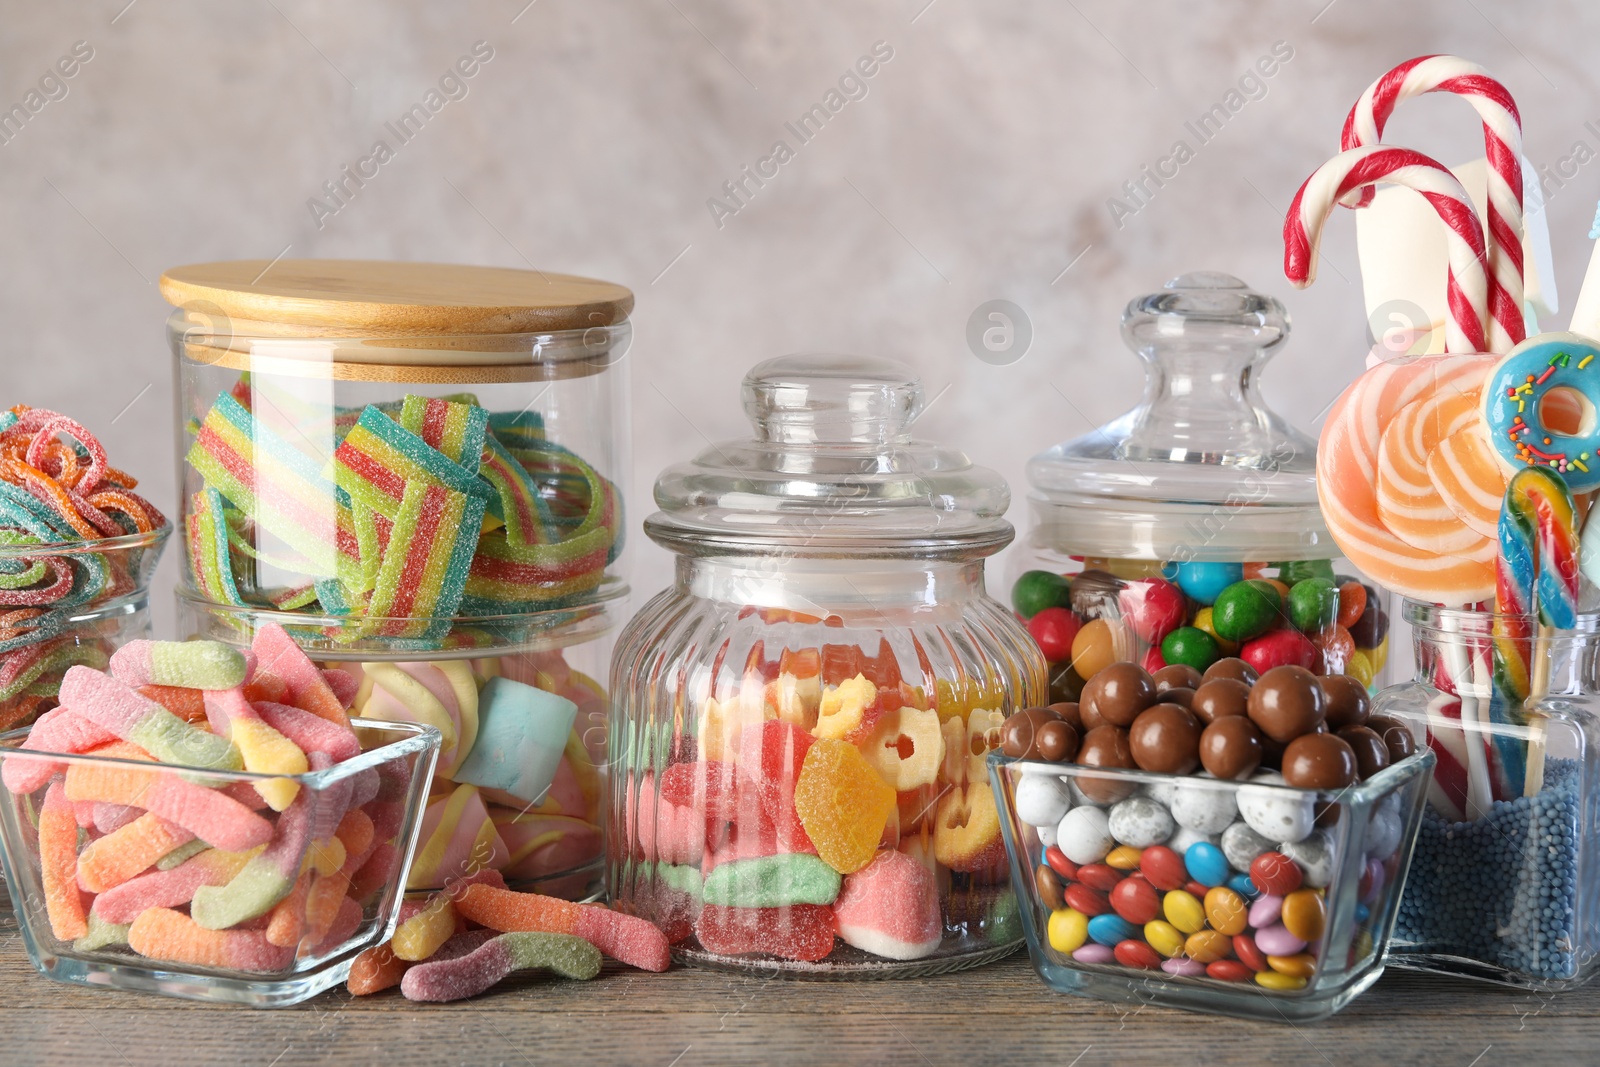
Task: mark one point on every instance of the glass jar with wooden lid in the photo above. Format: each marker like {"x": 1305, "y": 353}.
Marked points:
{"x": 418, "y": 471}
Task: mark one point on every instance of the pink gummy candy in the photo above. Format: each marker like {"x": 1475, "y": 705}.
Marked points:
{"x": 108, "y": 818}
{"x": 163, "y": 889}
{"x": 312, "y": 733}
{"x": 344, "y": 925}
{"x": 770, "y": 755}
{"x": 674, "y": 833}
{"x": 797, "y": 932}
{"x": 343, "y": 684}
{"x": 58, "y": 730}
{"x": 278, "y": 656}
{"x": 890, "y": 908}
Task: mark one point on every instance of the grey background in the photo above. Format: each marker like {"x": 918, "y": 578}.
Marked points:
{"x": 977, "y": 167}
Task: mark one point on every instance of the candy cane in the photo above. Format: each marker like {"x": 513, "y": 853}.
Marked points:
{"x": 1467, "y": 292}
{"x": 1502, "y": 138}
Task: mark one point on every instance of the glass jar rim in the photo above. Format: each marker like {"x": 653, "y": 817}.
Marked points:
{"x": 93, "y": 546}
{"x": 1436, "y": 619}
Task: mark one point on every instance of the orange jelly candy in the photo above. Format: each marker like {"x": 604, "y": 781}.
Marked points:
{"x": 843, "y": 804}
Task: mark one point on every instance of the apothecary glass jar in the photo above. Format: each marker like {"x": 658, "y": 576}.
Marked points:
{"x": 800, "y": 723}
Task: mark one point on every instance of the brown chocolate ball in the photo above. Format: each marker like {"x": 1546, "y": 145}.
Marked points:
{"x": 1328, "y": 814}
{"x": 1089, "y": 718}
{"x": 1067, "y": 712}
{"x": 1397, "y": 736}
{"x": 1319, "y": 761}
{"x": 1230, "y": 748}
{"x": 1119, "y": 693}
{"x": 1165, "y": 738}
{"x": 1286, "y": 702}
{"x": 1181, "y": 696}
{"x": 1095, "y": 592}
{"x": 1105, "y": 746}
{"x": 1219, "y": 699}
{"x": 1057, "y": 741}
{"x": 1019, "y": 734}
{"x": 1345, "y": 701}
{"x": 1050, "y": 887}
{"x": 1231, "y": 667}
{"x": 1176, "y": 676}
{"x": 1372, "y": 755}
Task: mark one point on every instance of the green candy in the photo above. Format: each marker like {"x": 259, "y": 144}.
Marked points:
{"x": 1191, "y": 647}
{"x": 567, "y": 955}
{"x": 1313, "y": 604}
{"x": 1246, "y": 609}
{"x": 683, "y": 878}
{"x": 772, "y": 882}
{"x": 1037, "y": 590}
{"x": 1298, "y": 570}
{"x": 101, "y": 935}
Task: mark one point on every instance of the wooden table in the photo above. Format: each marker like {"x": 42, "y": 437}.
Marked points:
{"x": 687, "y": 1018}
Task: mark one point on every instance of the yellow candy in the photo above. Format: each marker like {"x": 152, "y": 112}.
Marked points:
{"x": 1380, "y": 655}
{"x": 1208, "y": 946}
{"x": 1098, "y": 645}
{"x": 1184, "y": 911}
{"x": 421, "y": 935}
{"x": 1163, "y": 937}
{"x": 1362, "y": 944}
{"x": 1124, "y": 858}
{"x": 1301, "y": 965}
{"x": 844, "y": 806}
{"x": 266, "y": 751}
{"x": 983, "y": 736}
{"x": 325, "y": 857}
{"x": 1226, "y": 911}
{"x": 1282, "y": 983}
{"x": 1360, "y": 668}
{"x": 1067, "y": 930}
{"x": 1202, "y": 621}
{"x": 1304, "y": 914}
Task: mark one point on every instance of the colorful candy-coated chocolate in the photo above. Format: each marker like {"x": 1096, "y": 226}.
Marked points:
{"x": 1136, "y": 900}
{"x": 1275, "y": 873}
{"x": 1229, "y": 971}
{"x": 1091, "y": 902}
{"x": 1207, "y": 946}
{"x": 1206, "y": 864}
{"x": 1226, "y": 911}
{"x": 1164, "y": 937}
{"x": 1094, "y": 952}
{"x": 1109, "y": 929}
{"x": 1183, "y": 910}
{"x": 1137, "y": 954}
{"x": 1067, "y": 930}
{"x": 1304, "y": 914}
{"x": 1204, "y": 581}
{"x": 1164, "y": 867}
{"x": 1280, "y": 983}
{"x": 1276, "y": 940}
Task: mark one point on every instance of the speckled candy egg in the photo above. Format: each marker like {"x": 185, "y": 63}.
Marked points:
{"x": 1084, "y": 835}
{"x": 1140, "y": 822}
{"x": 1313, "y": 854}
{"x": 1276, "y": 814}
{"x": 1383, "y": 836}
{"x": 1184, "y": 837}
{"x": 1207, "y": 810}
{"x": 1042, "y": 800}
{"x": 1242, "y": 845}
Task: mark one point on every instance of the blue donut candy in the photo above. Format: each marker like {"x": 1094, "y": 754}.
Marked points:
{"x": 1513, "y": 396}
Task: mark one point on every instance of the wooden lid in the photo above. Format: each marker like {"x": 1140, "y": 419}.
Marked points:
{"x": 355, "y": 297}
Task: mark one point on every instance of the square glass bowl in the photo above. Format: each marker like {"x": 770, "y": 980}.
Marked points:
{"x": 1307, "y": 951}
{"x": 265, "y": 958}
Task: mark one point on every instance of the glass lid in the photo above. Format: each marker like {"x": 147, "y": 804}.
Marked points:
{"x": 1201, "y": 468}
{"x": 832, "y": 470}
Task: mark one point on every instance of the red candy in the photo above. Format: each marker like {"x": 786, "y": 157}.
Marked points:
{"x": 1164, "y": 868}
{"x": 1099, "y": 876}
{"x": 1091, "y": 902}
{"x": 1133, "y": 953}
{"x": 1279, "y": 648}
{"x": 1275, "y": 873}
{"x": 1244, "y": 946}
{"x": 1054, "y": 629}
{"x": 1153, "y": 659}
{"x": 1059, "y": 863}
{"x": 1153, "y": 607}
{"x": 1229, "y": 971}
{"x": 1136, "y": 900}
{"x": 771, "y": 754}
{"x": 797, "y": 932}
{"x": 1196, "y": 890}
{"x": 710, "y": 786}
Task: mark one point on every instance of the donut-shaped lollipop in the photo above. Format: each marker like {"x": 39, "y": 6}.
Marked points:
{"x": 1540, "y": 405}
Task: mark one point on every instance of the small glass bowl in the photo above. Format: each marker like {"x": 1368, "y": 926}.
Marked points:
{"x": 106, "y": 605}
{"x": 1354, "y": 860}
{"x": 402, "y": 757}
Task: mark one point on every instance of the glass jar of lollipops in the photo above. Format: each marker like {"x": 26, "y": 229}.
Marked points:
{"x": 1188, "y": 530}
{"x": 1505, "y": 879}
{"x": 417, "y": 470}
{"x": 800, "y": 723}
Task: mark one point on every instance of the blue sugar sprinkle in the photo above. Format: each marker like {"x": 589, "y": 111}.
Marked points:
{"x": 1501, "y": 890}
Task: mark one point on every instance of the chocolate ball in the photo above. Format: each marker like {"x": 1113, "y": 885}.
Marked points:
{"x": 1105, "y": 746}
{"x": 1019, "y": 734}
{"x": 1220, "y": 698}
{"x": 1231, "y": 667}
{"x": 1230, "y": 747}
{"x": 1372, "y": 755}
{"x": 1176, "y": 676}
{"x": 1319, "y": 761}
{"x": 1089, "y": 718}
{"x": 1165, "y": 738}
{"x": 1119, "y": 693}
{"x": 1328, "y": 814}
{"x": 1094, "y": 593}
{"x": 1065, "y": 683}
{"x": 1345, "y": 701}
{"x": 1050, "y": 887}
{"x": 1058, "y": 742}
{"x": 1181, "y": 696}
{"x": 1286, "y": 702}
{"x": 1067, "y": 712}
{"x": 1397, "y": 736}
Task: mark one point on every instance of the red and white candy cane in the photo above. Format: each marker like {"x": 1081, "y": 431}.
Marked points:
{"x": 1467, "y": 286}
{"x": 1502, "y": 140}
